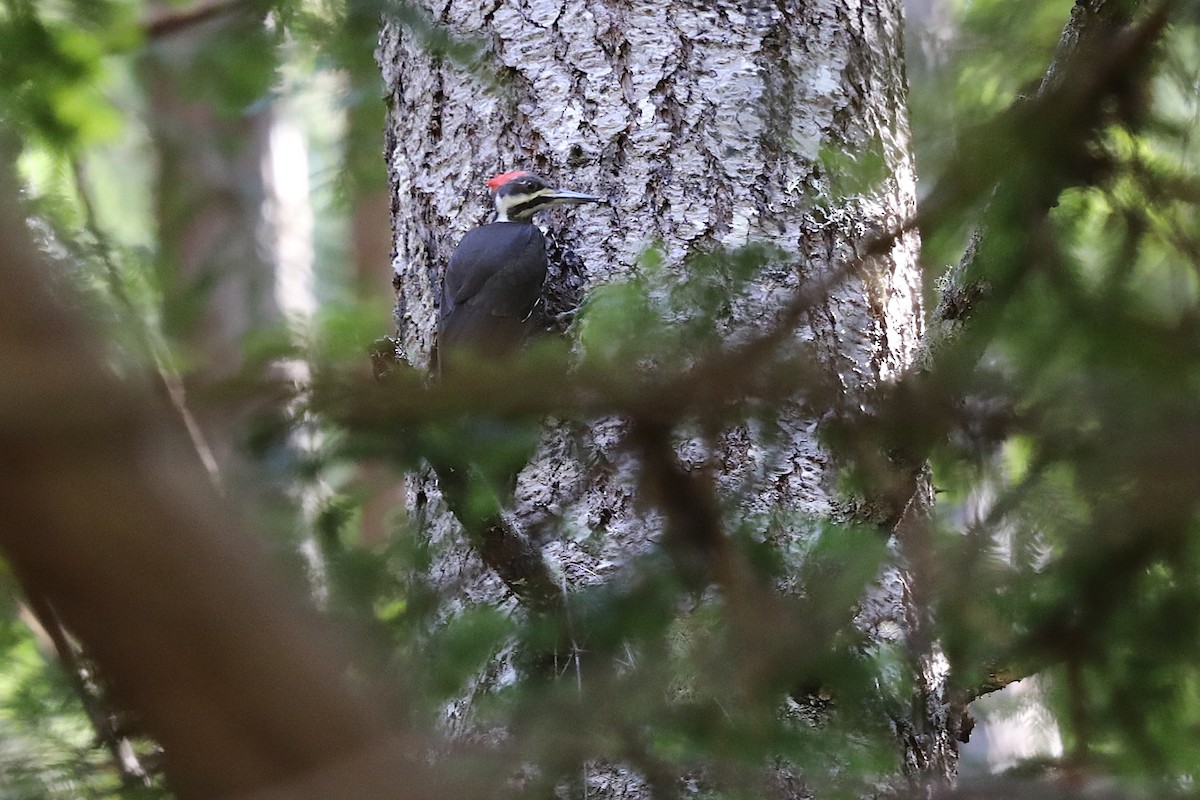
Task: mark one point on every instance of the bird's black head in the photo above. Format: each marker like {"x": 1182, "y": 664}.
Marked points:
{"x": 521, "y": 194}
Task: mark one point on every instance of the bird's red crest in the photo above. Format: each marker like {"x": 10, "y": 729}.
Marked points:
{"x": 503, "y": 178}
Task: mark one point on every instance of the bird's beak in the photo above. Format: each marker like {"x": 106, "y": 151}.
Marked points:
{"x": 563, "y": 197}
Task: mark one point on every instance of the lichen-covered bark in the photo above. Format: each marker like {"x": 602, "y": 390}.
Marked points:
{"x": 707, "y": 125}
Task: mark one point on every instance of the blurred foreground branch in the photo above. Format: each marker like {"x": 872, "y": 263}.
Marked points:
{"x": 109, "y": 516}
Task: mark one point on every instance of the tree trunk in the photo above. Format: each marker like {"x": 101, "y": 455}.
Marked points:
{"x": 707, "y": 126}
{"x": 216, "y": 274}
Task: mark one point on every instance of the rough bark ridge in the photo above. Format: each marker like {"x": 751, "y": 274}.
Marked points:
{"x": 707, "y": 125}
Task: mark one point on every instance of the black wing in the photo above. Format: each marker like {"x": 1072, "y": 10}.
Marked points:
{"x": 493, "y": 282}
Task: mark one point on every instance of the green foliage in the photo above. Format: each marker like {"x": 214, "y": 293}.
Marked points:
{"x": 1082, "y": 567}
{"x": 664, "y": 317}
{"x": 48, "y": 748}
{"x": 53, "y": 59}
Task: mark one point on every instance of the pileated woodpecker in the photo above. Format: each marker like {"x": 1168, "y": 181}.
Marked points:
{"x": 489, "y": 295}
{"x": 495, "y": 277}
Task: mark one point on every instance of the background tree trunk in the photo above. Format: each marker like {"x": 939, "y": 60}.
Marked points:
{"x": 708, "y": 126}
{"x": 216, "y": 271}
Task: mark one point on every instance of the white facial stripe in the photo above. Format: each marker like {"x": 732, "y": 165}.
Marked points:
{"x": 507, "y": 202}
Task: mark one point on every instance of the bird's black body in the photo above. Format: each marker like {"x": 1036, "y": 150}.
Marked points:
{"x": 494, "y": 280}
{"x": 492, "y": 285}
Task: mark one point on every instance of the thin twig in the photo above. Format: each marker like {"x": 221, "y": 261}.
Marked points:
{"x": 102, "y": 718}
{"x": 168, "y": 376}
{"x": 164, "y": 22}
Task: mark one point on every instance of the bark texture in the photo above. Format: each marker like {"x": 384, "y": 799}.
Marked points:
{"x": 707, "y": 125}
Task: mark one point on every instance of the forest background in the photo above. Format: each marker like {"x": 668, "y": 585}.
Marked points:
{"x": 1060, "y": 424}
